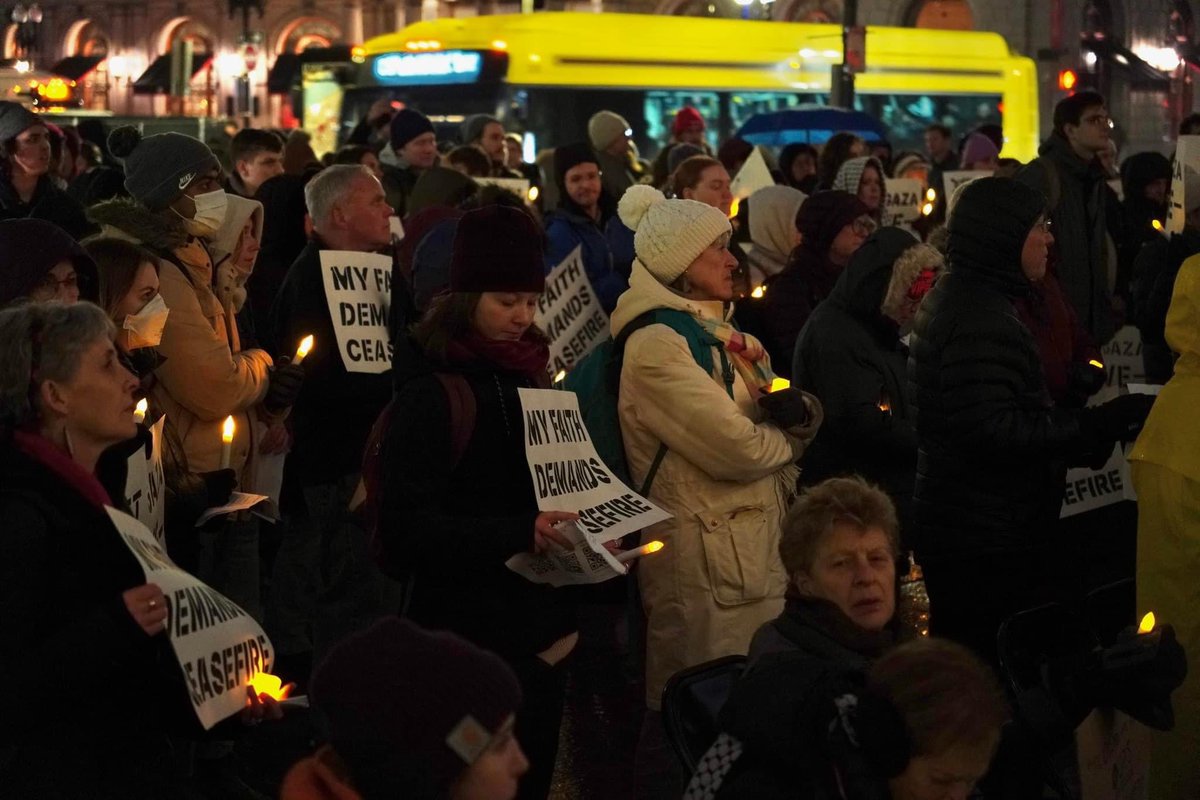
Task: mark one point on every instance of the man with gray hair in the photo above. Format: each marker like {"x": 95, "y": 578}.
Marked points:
{"x": 331, "y": 420}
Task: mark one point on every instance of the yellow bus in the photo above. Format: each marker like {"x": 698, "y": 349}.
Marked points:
{"x": 545, "y": 74}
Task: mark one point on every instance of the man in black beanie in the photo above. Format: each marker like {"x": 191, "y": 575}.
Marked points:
{"x": 411, "y": 150}
{"x": 993, "y": 448}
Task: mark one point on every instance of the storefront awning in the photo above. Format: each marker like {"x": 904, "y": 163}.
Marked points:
{"x": 1140, "y": 72}
{"x": 285, "y": 73}
{"x": 73, "y": 68}
{"x": 157, "y": 77}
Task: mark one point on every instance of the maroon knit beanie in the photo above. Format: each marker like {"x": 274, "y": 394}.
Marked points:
{"x": 497, "y": 249}
{"x": 408, "y": 707}
{"x": 686, "y": 118}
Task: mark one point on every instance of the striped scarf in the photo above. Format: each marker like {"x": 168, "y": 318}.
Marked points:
{"x": 747, "y": 353}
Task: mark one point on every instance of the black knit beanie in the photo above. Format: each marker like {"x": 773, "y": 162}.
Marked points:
{"x": 988, "y": 227}
{"x": 568, "y": 156}
{"x": 823, "y": 215}
{"x": 497, "y": 249}
{"x": 406, "y": 126}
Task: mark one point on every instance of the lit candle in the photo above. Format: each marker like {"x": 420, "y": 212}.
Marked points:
{"x": 306, "y": 344}
{"x": 1096, "y": 364}
{"x": 644, "y": 550}
{"x": 562, "y": 373}
{"x": 532, "y": 194}
{"x": 1147, "y": 625}
{"x": 226, "y": 442}
{"x": 139, "y": 413}
{"x": 779, "y": 384}
{"x": 758, "y": 292}
{"x": 270, "y": 685}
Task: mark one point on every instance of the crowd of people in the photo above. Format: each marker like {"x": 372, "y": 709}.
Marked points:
{"x": 944, "y": 375}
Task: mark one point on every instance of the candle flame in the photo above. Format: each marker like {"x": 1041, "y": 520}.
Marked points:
{"x": 778, "y": 384}
{"x": 758, "y": 292}
{"x": 1158, "y": 226}
{"x": 270, "y": 685}
{"x": 227, "y": 430}
{"x": 1147, "y": 624}
{"x": 652, "y": 547}
{"x": 927, "y": 209}
{"x": 1096, "y": 364}
{"x": 733, "y": 207}
{"x": 306, "y": 344}
{"x": 532, "y": 195}
{"x": 562, "y": 373}
{"x": 931, "y": 195}
{"x": 885, "y": 406}
{"x": 139, "y": 413}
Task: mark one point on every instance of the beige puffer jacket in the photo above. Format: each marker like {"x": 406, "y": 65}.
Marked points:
{"x": 728, "y": 477}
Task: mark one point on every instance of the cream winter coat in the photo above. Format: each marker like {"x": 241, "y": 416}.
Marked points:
{"x": 728, "y": 477}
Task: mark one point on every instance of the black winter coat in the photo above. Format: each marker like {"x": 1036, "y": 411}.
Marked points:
{"x": 993, "y": 449}
{"x": 850, "y": 356}
{"x": 86, "y": 698}
{"x": 333, "y": 415}
{"x": 398, "y": 183}
{"x": 450, "y": 527}
{"x": 1154, "y": 273}
{"x": 49, "y": 203}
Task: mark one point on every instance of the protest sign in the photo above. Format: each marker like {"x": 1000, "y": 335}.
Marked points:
{"x": 951, "y": 181}
{"x": 1088, "y": 489}
{"x": 1187, "y": 157}
{"x": 754, "y": 175}
{"x": 568, "y": 474}
{"x": 358, "y": 289}
{"x": 219, "y": 646}
{"x": 1123, "y": 357}
{"x": 587, "y": 562}
{"x": 903, "y": 201}
{"x": 518, "y": 186}
{"x": 1113, "y": 751}
{"x": 569, "y": 313}
{"x": 144, "y": 483}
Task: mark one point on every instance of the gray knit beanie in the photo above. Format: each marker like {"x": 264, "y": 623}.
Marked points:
{"x": 158, "y": 168}
{"x": 15, "y": 119}
{"x": 473, "y": 126}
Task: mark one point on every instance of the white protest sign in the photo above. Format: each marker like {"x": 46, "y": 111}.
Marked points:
{"x": 569, "y": 313}
{"x": 754, "y": 175}
{"x": 1187, "y": 157}
{"x": 587, "y": 562}
{"x": 951, "y": 181}
{"x": 1123, "y": 357}
{"x": 358, "y": 289}
{"x": 396, "y": 227}
{"x": 904, "y": 200}
{"x": 568, "y": 474}
{"x": 219, "y": 646}
{"x": 145, "y": 485}
{"x": 518, "y": 186}
{"x": 1113, "y": 750}
{"x": 1088, "y": 489}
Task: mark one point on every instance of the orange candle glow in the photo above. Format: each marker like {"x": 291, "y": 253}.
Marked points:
{"x": 1147, "y": 624}
{"x": 306, "y": 344}
{"x": 644, "y": 550}
{"x": 270, "y": 685}
{"x": 227, "y": 441}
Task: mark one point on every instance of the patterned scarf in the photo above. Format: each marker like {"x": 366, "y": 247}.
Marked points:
{"x": 748, "y": 354}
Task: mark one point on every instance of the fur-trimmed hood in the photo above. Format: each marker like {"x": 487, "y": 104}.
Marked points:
{"x": 127, "y": 219}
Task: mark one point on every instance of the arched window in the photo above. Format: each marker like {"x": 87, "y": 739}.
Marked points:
{"x": 951, "y": 15}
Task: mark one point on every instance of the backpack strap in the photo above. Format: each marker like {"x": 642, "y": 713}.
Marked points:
{"x": 463, "y": 413}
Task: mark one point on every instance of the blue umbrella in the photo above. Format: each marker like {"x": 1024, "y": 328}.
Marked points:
{"x": 809, "y": 124}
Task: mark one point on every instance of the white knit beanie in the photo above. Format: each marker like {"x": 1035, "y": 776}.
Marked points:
{"x": 605, "y": 127}
{"x": 669, "y": 234}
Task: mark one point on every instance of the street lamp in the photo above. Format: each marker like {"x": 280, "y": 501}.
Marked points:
{"x": 28, "y": 20}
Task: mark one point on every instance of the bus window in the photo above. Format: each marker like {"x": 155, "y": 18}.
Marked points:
{"x": 661, "y": 107}
{"x": 744, "y": 105}
{"x": 906, "y": 116}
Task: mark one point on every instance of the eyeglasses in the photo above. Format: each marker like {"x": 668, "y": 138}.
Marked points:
{"x": 1044, "y": 226}
{"x": 52, "y": 284}
{"x": 1102, "y": 120}
{"x": 865, "y": 226}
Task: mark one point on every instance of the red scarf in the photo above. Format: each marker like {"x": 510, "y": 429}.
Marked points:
{"x": 49, "y": 455}
{"x": 527, "y": 356}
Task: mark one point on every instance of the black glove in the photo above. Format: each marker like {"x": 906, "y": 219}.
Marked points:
{"x": 286, "y": 380}
{"x": 219, "y": 485}
{"x": 1120, "y": 419}
{"x": 786, "y": 407}
{"x": 1084, "y": 380}
{"x": 1137, "y": 675}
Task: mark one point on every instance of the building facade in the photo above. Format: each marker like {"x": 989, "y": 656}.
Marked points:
{"x": 1141, "y": 53}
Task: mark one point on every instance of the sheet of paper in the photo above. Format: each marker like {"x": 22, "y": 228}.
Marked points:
{"x": 257, "y": 504}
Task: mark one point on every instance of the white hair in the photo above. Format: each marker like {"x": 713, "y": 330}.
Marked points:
{"x": 330, "y": 187}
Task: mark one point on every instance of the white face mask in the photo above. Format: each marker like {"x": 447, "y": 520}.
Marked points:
{"x": 146, "y": 327}
{"x": 210, "y": 213}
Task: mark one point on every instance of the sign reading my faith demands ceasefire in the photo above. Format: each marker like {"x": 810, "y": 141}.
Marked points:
{"x": 219, "y": 646}
{"x": 569, "y": 313}
{"x": 358, "y": 288}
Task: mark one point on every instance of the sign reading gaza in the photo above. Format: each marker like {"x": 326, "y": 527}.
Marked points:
{"x": 219, "y": 646}
{"x": 569, "y": 313}
{"x": 358, "y": 289}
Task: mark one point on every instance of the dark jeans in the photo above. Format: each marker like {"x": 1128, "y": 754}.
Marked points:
{"x": 543, "y": 688}
{"x": 657, "y": 773}
{"x": 228, "y": 561}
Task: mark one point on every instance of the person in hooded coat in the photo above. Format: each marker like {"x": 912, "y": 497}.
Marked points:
{"x": 864, "y": 178}
{"x": 850, "y": 355}
{"x": 773, "y": 232}
{"x": 585, "y": 217}
{"x": 236, "y": 246}
{"x": 1145, "y": 184}
{"x": 283, "y": 238}
{"x": 832, "y": 226}
{"x": 40, "y": 261}
{"x": 1166, "y": 474}
{"x": 993, "y": 449}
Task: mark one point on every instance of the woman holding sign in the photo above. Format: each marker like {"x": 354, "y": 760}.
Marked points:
{"x": 457, "y": 497}
{"x": 709, "y": 442}
{"x": 84, "y": 689}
